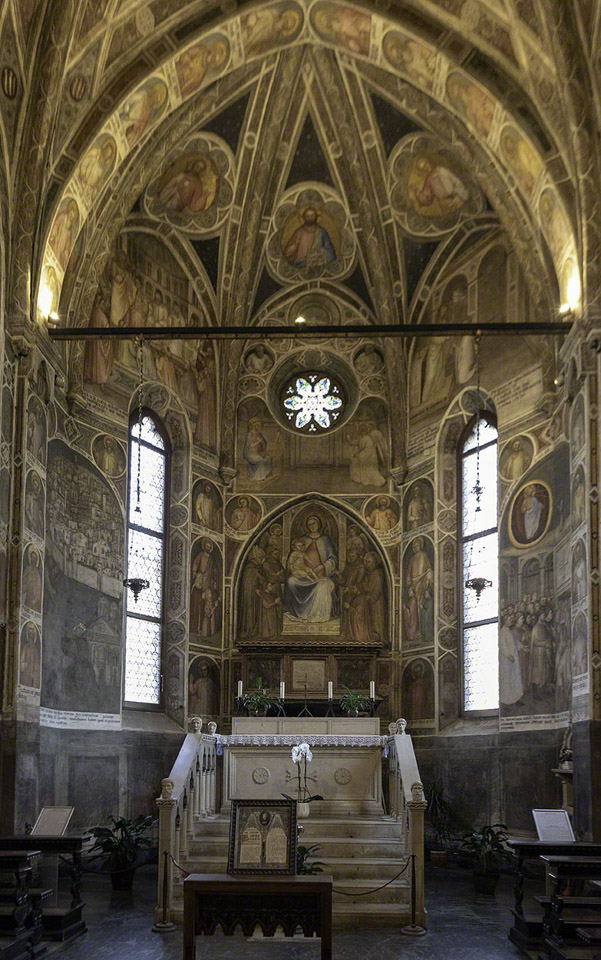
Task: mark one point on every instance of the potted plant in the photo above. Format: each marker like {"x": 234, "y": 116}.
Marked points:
{"x": 301, "y": 756}
{"x": 304, "y": 859}
{"x": 439, "y": 816}
{"x": 352, "y": 702}
{"x": 487, "y": 850}
{"x": 122, "y": 844}
{"x": 258, "y": 701}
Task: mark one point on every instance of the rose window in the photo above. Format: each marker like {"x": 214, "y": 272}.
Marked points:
{"x": 312, "y": 402}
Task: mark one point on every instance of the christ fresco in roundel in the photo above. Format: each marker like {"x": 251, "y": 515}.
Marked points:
{"x": 306, "y": 240}
{"x": 310, "y": 590}
{"x": 530, "y": 514}
{"x": 189, "y": 185}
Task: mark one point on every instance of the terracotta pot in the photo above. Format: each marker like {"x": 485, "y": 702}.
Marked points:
{"x": 303, "y": 809}
{"x": 439, "y": 858}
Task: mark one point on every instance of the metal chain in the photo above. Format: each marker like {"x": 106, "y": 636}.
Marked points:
{"x": 140, "y": 344}
{"x": 366, "y": 893}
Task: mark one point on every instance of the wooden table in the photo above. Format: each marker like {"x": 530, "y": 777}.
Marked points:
{"x": 527, "y": 928}
{"x": 60, "y": 922}
{"x": 213, "y": 900}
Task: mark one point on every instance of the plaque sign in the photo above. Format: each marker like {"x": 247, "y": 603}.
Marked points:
{"x": 52, "y": 821}
{"x": 553, "y": 826}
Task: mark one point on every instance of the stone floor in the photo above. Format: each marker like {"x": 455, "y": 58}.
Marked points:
{"x": 462, "y": 927}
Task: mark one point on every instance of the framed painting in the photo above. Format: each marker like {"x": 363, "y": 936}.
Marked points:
{"x": 263, "y": 837}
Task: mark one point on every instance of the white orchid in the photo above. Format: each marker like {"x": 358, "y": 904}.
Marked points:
{"x": 301, "y": 750}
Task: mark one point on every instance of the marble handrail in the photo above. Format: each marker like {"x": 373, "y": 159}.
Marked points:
{"x": 408, "y": 805}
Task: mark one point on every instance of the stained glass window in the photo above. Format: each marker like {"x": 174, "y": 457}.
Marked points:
{"x": 480, "y": 559}
{"x": 145, "y": 559}
{"x": 312, "y": 402}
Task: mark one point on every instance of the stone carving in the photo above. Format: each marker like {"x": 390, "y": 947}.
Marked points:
{"x": 342, "y": 776}
{"x": 196, "y": 724}
{"x": 167, "y": 789}
{"x": 260, "y": 775}
{"x": 417, "y": 791}
{"x": 402, "y": 726}
{"x": 212, "y": 728}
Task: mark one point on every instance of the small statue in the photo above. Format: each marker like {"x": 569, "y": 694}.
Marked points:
{"x": 167, "y": 789}
{"x": 566, "y": 754}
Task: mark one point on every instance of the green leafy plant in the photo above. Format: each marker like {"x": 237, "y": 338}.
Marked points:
{"x": 439, "y": 815}
{"x": 123, "y": 842}
{"x": 304, "y": 859}
{"x": 486, "y": 847}
{"x": 353, "y": 700}
{"x": 259, "y": 700}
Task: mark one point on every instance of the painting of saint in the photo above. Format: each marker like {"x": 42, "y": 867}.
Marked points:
{"x": 64, "y": 230}
{"x": 410, "y": 57}
{"x": 418, "y": 504}
{"x": 109, "y": 455}
{"x": 207, "y": 505}
{"x": 98, "y": 354}
{"x": 472, "y": 102}
{"x": 580, "y": 646}
{"x": 308, "y": 245}
{"x": 36, "y": 430}
{"x": 203, "y": 688}
{"x": 369, "y": 361}
{"x": 310, "y": 592}
{"x": 382, "y": 514}
{"x": 258, "y": 360}
{"x": 522, "y": 158}
{"x": 418, "y": 567}
{"x": 343, "y": 26}
{"x": 530, "y": 514}
{"x": 243, "y": 514}
{"x": 578, "y": 498}
{"x": 255, "y": 453}
{"x": 369, "y": 453}
{"x": 579, "y": 572}
{"x": 204, "y": 59}
{"x": 189, "y": 185}
{"x": 30, "y": 656}
{"x": 34, "y": 504}
{"x": 205, "y": 431}
{"x": 96, "y": 166}
{"x": 252, "y": 584}
{"x": 32, "y": 579}
{"x": 142, "y": 109}
{"x": 433, "y": 189}
{"x": 417, "y": 691}
{"x": 205, "y": 597}
{"x": 554, "y": 222}
{"x": 516, "y": 458}
{"x": 577, "y": 425}
{"x": 262, "y": 30}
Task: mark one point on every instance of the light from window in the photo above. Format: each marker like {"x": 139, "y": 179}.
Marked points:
{"x": 145, "y": 559}
{"x": 480, "y": 558}
{"x": 313, "y": 401}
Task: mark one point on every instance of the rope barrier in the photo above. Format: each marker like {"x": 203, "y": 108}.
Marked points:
{"x": 366, "y": 893}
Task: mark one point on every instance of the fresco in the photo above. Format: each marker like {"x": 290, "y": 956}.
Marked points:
{"x": 34, "y": 504}
{"x": 411, "y": 57}
{"x": 382, "y": 514}
{"x": 578, "y": 497}
{"x": 243, "y": 514}
{"x": 274, "y": 26}
{"x": 259, "y": 360}
{"x": 203, "y": 688}
{"x": 417, "y": 691}
{"x": 579, "y": 577}
{"x": 580, "y": 645}
{"x": 143, "y": 109}
{"x": 313, "y": 573}
{"x": 194, "y": 191}
{"x": 36, "y": 430}
{"x": 540, "y": 506}
{"x": 555, "y": 223}
{"x": 96, "y": 167}
{"x": 419, "y": 504}
{"x": 30, "y": 656}
{"x": 530, "y": 514}
{"x": 344, "y": 26}
{"x": 577, "y": 425}
{"x": 200, "y": 62}
{"x": 312, "y": 236}
{"x": 32, "y": 579}
{"x": 206, "y": 505}
{"x": 472, "y": 102}
{"x": 109, "y": 455}
{"x": 64, "y": 231}
{"x": 521, "y": 157}
{"x": 429, "y": 189}
{"x": 368, "y": 361}
{"x": 206, "y": 593}
{"x": 83, "y": 589}
{"x": 418, "y": 594}
{"x": 144, "y": 285}
{"x": 516, "y": 456}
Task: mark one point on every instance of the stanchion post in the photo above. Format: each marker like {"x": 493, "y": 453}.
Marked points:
{"x": 413, "y": 929}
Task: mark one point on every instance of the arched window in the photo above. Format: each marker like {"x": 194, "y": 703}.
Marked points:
{"x": 146, "y": 539}
{"x": 479, "y": 558}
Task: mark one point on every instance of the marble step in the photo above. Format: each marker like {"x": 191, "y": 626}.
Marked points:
{"x": 352, "y": 847}
{"x": 370, "y": 827}
{"x": 380, "y": 868}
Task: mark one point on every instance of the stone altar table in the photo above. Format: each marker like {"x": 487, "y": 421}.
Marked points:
{"x": 346, "y": 768}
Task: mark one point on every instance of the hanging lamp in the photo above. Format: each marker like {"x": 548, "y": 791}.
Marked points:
{"x": 138, "y": 584}
{"x": 477, "y": 584}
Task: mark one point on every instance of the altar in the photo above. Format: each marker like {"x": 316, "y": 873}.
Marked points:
{"x": 346, "y": 769}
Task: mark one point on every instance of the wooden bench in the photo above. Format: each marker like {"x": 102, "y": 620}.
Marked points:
{"x": 59, "y": 921}
{"x": 213, "y": 900}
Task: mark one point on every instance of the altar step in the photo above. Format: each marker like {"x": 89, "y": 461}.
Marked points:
{"x": 361, "y": 853}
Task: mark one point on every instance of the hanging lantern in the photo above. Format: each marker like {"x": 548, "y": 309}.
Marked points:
{"x": 478, "y": 584}
{"x": 136, "y": 585}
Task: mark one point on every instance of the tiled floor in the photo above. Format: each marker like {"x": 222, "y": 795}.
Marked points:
{"x": 462, "y": 927}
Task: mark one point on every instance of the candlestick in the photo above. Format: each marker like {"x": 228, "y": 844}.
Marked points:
{"x": 282, "y": 690}
{"x": 372, "y": 689}
{"x": 330, "y": 690}
{"x": 239, "y": 688}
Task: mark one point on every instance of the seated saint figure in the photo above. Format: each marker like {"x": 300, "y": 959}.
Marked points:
{"x": 310, "y": 592}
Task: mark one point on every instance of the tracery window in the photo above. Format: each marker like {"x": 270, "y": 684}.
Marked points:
{"x": 479, "y": 558}
{"x": 312, "y": 402}
{"x": 146, "y": 539}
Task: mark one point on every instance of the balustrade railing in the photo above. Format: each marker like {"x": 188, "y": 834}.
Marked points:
{"x": 188, "y": 794}
{"x": 407, "y": 805}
